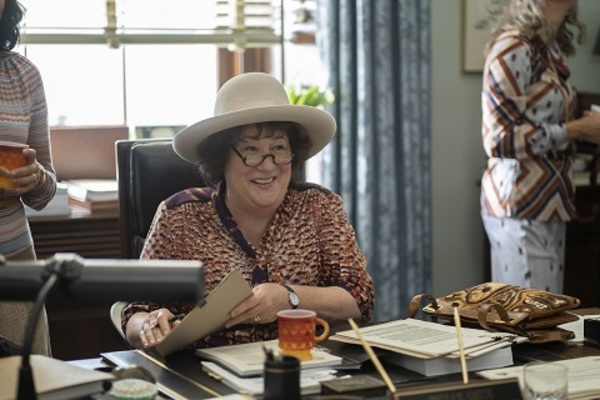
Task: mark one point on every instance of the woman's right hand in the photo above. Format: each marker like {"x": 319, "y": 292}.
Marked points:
{"x": 153, "y": 327}
{"x": 586, "y": 128}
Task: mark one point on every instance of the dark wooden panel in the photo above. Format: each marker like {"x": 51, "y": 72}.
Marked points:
{"x": 79, "y": 331}
{"x": 89, "y": 235}
{"x": 582, "y": 263}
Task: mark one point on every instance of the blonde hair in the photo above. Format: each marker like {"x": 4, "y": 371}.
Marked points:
{"x": 528, "y": 17}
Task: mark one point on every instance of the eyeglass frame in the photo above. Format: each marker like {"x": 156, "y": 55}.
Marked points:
{"x": 264, "y": 157}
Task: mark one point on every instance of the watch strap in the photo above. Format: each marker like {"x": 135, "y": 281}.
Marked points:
{"x": 292, "y": 294}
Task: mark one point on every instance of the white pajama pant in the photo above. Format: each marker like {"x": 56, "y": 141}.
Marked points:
{"x": 527, "y": 253}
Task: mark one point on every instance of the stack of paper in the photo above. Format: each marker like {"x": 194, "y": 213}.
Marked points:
{"x": 93, "y": 195}
{"x": 432, "y": 349}
{"x": 241, "y": 367}
{"x": 310, "y": 379}
{"x": 248, "y": 359}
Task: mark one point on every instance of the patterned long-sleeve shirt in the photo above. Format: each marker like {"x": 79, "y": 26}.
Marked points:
{"x": 529, "y": 171}
{"x": 24, "y": 119}
{"x": 309, "y": 242}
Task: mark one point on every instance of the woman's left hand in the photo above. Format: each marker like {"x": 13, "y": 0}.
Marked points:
{"x": 28, "y": 176}
{"x": 261, "y": 307}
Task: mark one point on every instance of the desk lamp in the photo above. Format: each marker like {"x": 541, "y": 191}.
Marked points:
{"x": 93, "y": 281}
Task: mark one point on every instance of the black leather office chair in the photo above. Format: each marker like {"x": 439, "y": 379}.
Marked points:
{"x": 148, "y": 171}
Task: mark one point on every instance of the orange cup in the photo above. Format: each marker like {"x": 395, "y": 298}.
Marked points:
{"x": 296, "y": 329}
{"x": 11, "y": 157}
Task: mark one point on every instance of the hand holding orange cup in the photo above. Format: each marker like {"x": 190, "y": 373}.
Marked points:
{"x": 11, "y": 157}
{"x": 296, "y": 329}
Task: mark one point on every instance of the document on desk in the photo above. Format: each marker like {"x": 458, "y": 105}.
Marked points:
{"x": 582, "y": 376}
{"x": 424, "y": 339}
{"x": 310, "y": 379}
{"x": 210, "y": 316}
{"x": 249, "y": 358}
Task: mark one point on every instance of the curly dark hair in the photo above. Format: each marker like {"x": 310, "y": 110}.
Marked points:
{"x": 213, "y": 152}
{"x": 10, "y": 31}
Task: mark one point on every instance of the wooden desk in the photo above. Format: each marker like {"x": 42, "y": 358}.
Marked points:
{"x": 182, "y": 370}
{"x": 79, "y": 331}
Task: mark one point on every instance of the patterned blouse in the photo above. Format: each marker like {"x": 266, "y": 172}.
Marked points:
{"x": 309, "y": 242}
{"x": 529, "y": 171}
{"x": 23, "y": 119}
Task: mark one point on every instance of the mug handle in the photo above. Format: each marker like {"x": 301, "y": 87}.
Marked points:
{"x": 325, "y": 326}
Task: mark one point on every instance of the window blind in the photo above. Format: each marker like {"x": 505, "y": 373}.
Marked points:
{"x": 236, "y": 24}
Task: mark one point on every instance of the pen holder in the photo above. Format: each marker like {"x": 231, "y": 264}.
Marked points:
{"x": 282, "y": 379}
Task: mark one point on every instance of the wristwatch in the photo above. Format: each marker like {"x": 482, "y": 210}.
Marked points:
{"x": 292, "y": 297}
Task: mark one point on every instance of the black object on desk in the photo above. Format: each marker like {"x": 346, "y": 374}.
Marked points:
{"x": 282, "y": 378}
{"x": 359, "y": 385}
{"x": 89, "y": 280}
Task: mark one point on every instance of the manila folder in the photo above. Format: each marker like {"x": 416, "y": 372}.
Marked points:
{"x": 208, "y": 317}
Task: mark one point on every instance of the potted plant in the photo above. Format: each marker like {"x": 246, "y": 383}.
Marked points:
{"x": 310, "y": 95}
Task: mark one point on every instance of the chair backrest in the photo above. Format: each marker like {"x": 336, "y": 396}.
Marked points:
{"x": 148, "y": 171}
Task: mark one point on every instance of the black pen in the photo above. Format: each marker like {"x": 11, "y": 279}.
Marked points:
{"x": 176, "y": 317}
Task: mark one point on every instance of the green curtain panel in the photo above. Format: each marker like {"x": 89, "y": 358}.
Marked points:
{"x": 378, "y": 59}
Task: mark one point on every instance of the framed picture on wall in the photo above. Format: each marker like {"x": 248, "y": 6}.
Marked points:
{"x": 478, "y": 17}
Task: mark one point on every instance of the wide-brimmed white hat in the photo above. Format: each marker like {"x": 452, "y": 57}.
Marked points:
{"x": 251, "y": 98}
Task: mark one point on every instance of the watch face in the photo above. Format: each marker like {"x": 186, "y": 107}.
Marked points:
{"x": 294, "y": 299}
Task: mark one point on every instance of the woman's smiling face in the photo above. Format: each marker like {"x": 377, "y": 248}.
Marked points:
{"x": 264, "y": 186}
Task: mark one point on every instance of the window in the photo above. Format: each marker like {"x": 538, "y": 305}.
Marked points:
{"x": 140, "y": 63}
{"x": 155, "y": 66}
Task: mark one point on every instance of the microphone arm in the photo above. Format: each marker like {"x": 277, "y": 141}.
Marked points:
{"x": 93, "y": 281}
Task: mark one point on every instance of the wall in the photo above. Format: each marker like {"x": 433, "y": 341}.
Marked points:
{"x": 457, "y": 154}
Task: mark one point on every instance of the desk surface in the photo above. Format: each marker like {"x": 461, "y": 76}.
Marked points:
{"x": 182, "y": 372}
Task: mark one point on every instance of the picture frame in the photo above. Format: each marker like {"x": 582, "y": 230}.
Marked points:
{"x": 478, "y": 18}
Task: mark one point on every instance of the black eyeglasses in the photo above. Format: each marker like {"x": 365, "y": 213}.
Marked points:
{"x": 280, "y": 157}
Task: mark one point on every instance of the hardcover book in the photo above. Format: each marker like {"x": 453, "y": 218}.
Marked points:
{"x": 54, "y": 379}
{"x": 248, "y": 359}
{"x": 500, "y": 357}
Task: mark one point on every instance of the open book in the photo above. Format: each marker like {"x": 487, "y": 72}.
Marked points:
{"x": 248, "y": 359}
{"x": 208, "y": 317}
{"x": 54, "y": 379}
{"x": 432, "y": 349}
{"x": 424, "y": 339}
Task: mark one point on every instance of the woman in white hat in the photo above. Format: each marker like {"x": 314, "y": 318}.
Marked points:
{"x": 291, "y": 240}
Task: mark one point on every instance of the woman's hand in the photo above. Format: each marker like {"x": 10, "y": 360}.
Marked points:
{"x": 155, "y": 326}
{"x": 261, "y": 307}
{"x": 586, "y": 128}
{"x": 26, "y": 177}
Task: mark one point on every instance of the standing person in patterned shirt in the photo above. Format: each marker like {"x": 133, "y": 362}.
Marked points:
{"x": 291, "y": 240}
{"x": 528, "y": 134}
{"x": 24, "y": 120}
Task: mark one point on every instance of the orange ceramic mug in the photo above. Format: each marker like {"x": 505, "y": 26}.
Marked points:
{"x": 296, "y": 329}
{"x": 11, "y": 157}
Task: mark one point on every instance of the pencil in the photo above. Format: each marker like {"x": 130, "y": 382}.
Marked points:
{"x": 372, "y": 356}
{"x": 461, "y": 347}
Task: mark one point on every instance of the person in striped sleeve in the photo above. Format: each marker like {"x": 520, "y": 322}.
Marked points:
{"x": 527, "y": 189}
